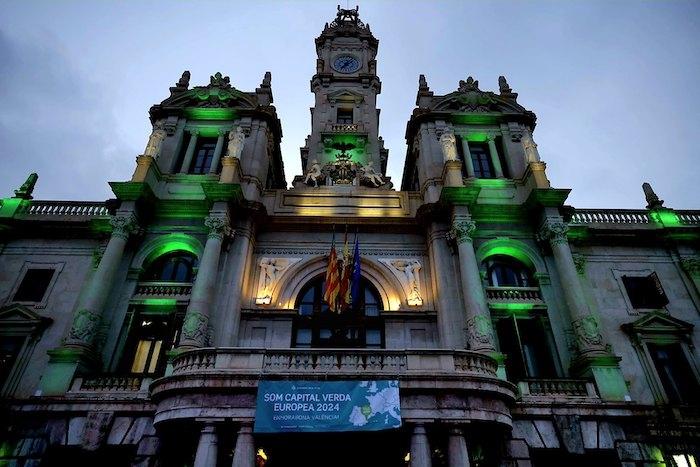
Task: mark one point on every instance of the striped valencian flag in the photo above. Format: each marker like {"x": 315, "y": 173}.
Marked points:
{"x": 330, "y": 295}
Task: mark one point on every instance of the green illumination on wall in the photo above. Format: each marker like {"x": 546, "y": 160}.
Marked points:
{"x": 356, "y": 154}
{"x": 169, "y": 302}
{"x": 507, "y": 248}
{"x": 667, "y": 218}
{"x": 513, "y": 308}
{"x": 492, "y": 182}
{"x": 474, "y": 119}
{"x": 10, "y": 206}
{"x": 196, "y": 113}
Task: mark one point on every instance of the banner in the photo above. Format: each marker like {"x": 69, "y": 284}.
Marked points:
{"x": 321, "y": 406}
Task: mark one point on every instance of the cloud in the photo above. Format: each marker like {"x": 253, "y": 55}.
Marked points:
{"x": 56, "y": 122}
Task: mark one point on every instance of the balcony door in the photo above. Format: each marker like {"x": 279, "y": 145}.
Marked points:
{"x": 315, "y": 326}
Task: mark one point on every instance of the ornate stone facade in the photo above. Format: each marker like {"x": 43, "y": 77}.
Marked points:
{"x": 522, "y": 331}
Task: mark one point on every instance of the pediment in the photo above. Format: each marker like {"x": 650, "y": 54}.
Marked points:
{"x": 657, "y": 322}
{"x": 19, "y": 318}
{"x": 345, "y": 95}
{"x": 211, "y": 97}
{"x": 476, "y": 101}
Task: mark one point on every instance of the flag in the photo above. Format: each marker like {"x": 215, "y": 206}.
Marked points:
{"x": 356, "y": 274}
{"x": 330, "y": 295}
{"x": 345, "y": 273}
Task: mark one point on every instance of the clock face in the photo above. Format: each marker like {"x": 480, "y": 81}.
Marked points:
{"x": 346, "y": 64}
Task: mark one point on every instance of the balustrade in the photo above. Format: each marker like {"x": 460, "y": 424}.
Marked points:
{"x": 65, "y": 208}
{"x": 163, "y": 289}
{"x": 558, "y": 388}
{"x": 514, "y": 294}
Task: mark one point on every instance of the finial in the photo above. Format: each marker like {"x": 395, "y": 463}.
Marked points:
{"x": 503, "y": 85}
{"x": 25, "y": 191}
{"x": 267, "y": 80}
{"x": 469, "y": 85}
{"x": 184, "y": 81}
{"x": 653, "y": 201}
{"x": 422, "y": 83}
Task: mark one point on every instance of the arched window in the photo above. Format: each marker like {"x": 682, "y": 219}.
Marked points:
{"x": 177, "y": 266}
{"x": 316, "y": 326}
{"x": 504, "y": 271}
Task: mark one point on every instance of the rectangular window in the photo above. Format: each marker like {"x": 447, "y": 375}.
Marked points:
{"x": 344, "y": 116}
{"x": 481, "y": 160}
{"x": 677, "y": 377}
{"x": 151, "y": 336}
{"x": 203, "y": 155}
{"x": 10, "y": 347}
{"x": 525, "y": 344}
{"x": 645, "y": 291}
{"x": 34, "y": 285}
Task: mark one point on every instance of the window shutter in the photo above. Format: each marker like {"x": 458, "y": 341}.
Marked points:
{"x": 661, "y": 299}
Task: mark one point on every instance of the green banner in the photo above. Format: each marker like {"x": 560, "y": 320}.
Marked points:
{"x": 320, "y": 406}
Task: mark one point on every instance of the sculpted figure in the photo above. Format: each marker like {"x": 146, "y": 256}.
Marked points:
{"x": 369, "y": 173}
{"x": 531, "y": 153}
{"x": 410, "y": 270}
{"x": 236, "y": 140}
{"x": 268, "y": 272}
{"x": 448, "y": 142}
{"x": 155, "y": 141}
{"x": 313, "y": 174}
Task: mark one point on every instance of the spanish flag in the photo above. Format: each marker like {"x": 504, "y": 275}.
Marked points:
{"x": 330, "y": 295}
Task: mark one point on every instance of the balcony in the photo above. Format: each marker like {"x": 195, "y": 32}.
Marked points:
{"x": 520, "y": 296}
{"x": 110, "y": 387}
{"x": 344, "y": 128}
{"x": 224, "y": 380}
{"x": 551, "y": 390}
{"x": 179, "y": 291}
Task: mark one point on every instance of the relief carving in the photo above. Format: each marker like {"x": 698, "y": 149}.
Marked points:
{"x": 271, "y": 270}
{"x": 407, "y": 272}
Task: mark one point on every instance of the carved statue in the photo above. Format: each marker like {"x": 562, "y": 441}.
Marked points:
{"x": 25, "y": 191}
{"x": 531, "y": 153}
{"x": 184, "y": 81}
{"x": 448, "y": 142}
{"x": 236, "y": 141}
{"x": 369, "y": 173}
{"x": 155, "y": 141}
{"x": 503, "y": 85}
{"x": 313, "y": 174}
{"x": 469, "y": 85}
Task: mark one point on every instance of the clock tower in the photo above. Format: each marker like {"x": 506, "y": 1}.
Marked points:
{"x": 345, "y": 118}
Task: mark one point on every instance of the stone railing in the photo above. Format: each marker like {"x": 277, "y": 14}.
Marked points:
{"x": 344, "y": 127}
{"x": 163, "y": 289}
{"x": 347, "y": 362}
{"x": 128, "y": 385}
{"x": 627, "y": 217}
{"x": 688, "y": 217}
{"x": 65, "y": 209}
{"x": 514, "y": 294}
{"x": 610, "y": 216}
{"x": 566, "y": 388}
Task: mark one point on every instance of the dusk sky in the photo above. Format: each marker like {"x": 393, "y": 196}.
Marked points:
{"x": 615, "y": 84}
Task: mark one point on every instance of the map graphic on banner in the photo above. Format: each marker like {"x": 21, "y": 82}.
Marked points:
{"x": 320, "y": 406}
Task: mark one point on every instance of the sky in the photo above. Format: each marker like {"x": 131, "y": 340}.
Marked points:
{"x": 614, "y": 84}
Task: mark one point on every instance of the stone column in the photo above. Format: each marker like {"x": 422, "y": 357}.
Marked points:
{"x": 495, "y": 160}
{"x": 584, "y": 323}
{"x": 217, "y": 152}
{"x": 195, "y": 327}
{"x": 457, "y": 453}
{"x": 189, "y": 153}
{"x": 468, "y": 162}
{"x": 592, "y": 356}
{"x": 244, "y": 453}
{"x": 420, "y": 448}
{"x": 92, "y": 300}
{"x": 207, "y": 447}
{"x": 450, "y": 316}
{"x": 143, "y": 164}
{"x": 479, "y": 328}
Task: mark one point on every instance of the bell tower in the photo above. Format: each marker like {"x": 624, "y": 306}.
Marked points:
{"x": 345, "y": 118}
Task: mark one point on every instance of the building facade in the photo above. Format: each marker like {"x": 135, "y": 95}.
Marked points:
{"x": 522, "y": 331}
